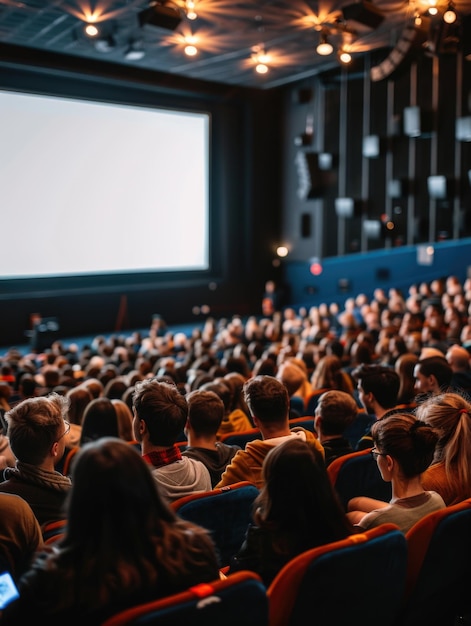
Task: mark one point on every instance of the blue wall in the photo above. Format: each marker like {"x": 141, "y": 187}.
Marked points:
{"x": 346, "y": 276}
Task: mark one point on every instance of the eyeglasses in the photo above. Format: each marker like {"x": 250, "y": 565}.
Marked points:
{"x": 66, "y": 431}
{"x": 375, "y": 454}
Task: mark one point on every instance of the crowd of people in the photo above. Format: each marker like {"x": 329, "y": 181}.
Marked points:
{"x": 146, "y": 418}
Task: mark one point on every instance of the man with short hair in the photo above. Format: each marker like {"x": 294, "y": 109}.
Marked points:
{"x": 205, "y": 414}
{"x": 160, "y": 415}
{"x": 378, "y": 388}
{"x": 36, "y": 431}
{"x": 268, "y": 402}
{"x": 458, "y": 359}
{"x": 335, "y": 411}
{"x": 432, "y": 375}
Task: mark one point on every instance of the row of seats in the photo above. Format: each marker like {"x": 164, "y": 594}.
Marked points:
{"x": 379, "y": 576}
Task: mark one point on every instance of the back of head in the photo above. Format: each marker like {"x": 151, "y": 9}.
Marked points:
{"x": 382, "y": 381}
{"x": 34, "y": 425}
{"x": 297, "y": 494}
{"x": 450, "y": 415}
{"x": 95, "y": 386}
{"x": 124, "y": 418}
{"x": 337, "y": 409}
{"x": 408, "y": 440}
{"x": 79, "y": 398}
{"x": 99, "y": 420}
{"x": 205, "y": 412}
{"x": 291, "y": 375}
{"x": 267, "y": 399}
{"x": 163, "y": 408}
{"x": 113, "y": 495}
{"x": 222, "y": 390}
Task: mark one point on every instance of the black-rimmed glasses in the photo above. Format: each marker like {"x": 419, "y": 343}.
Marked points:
{"x": 375, "y": 454}
{"x": 66, "y": 431}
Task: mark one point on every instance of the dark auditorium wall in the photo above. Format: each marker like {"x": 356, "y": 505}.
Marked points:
{"x": 361, "y": 135}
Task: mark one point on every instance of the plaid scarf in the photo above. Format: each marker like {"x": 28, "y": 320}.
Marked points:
{"x": 163, "y": 457}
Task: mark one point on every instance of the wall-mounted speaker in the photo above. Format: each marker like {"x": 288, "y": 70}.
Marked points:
{"x": 437, "y": 187}
{"x": 372, "y": 229}
{"x": 371, "y": 146}
{"x": 345, "y": 207}
{"x": 397, "y": 188}
{"x": 416, "y": 122}
{"x": 364, "y": 13}
{"x": 463, "y": 128}
{"x": 160, "y": 15}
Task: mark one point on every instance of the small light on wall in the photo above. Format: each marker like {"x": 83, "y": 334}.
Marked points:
{"x": 282, "y": 251}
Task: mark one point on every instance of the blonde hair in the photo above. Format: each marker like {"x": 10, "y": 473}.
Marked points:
{"x": 450, "y": 414}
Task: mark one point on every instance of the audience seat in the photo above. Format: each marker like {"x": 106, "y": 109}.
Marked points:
{"x": 360, "y": 425}
{"x": 358, "y": 580}
{"x": 241, "y": 437}
{"x": 225, "y": 511}
{"x": 238, "y": 600}
{"x": 357, "y": 474}
{"x": 53, "y": 531}
{"x": 439, "y": 568}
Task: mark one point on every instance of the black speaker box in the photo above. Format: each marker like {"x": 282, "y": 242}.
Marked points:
{"x": 364, "y": 13}
{"x": 161, "y": 16}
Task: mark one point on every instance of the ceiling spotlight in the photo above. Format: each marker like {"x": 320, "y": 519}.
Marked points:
{"x": 190, "y": 10}
{"x": 450, "y": 15}
{"x": 324, "y": 48}
{"x": 261, "y": 60}
{"x": 191, "y": 50}
{"x": 345, "y": 57}
{"x": 91, "y": 30}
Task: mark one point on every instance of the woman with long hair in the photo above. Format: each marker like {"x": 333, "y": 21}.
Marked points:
{"x": 297, "y": 509}
{"x": 122, "y": 545}
{"x": 450, "y": 471}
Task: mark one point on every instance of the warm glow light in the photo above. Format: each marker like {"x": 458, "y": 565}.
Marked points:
{"x": 324, "y": 48}
{"x": 417, "y": 20}
{"x": 345, "y": 57}
{"x": 261, "y": 68}
{"x": 433, "y": 11}
{"x": 191, "y": 50}
{"x": 282, "y": 251}
{"x": 91, "y": 30}
{"x": 449, "y": 16}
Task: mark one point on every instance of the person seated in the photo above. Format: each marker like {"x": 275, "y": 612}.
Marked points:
{"x": 268, "y": 402}
{"x": 296, "y": 510}
{"x": 99, "y": 420}
{"x": 377, "y": 388}
{"x": 37, "y": 430}
{"x": 403, "y": 449}
{"x": 294, "y": 378}
{"x": 450, "y": 471}
{"x": 20, "y": 534}
{"x": 122, "y": 546}
{"x": 433, "y": 375}
{"x": 335, "y": 411}
{"x": 205, "y": 414}
{"x": 160, "y": 415}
